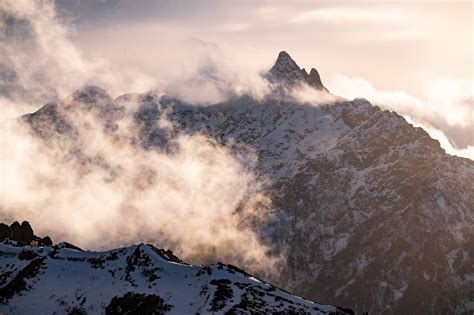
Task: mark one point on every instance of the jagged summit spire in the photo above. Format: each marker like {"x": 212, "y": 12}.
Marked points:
{"x": 283, "y": 54}
{"x": 287, "y": 71}
{"x": 284, "y": 62}
{"x": 314, "y": 78}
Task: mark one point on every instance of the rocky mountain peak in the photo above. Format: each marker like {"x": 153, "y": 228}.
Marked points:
{"x": 286, "y": 71}
{"x": 284, "y": 65}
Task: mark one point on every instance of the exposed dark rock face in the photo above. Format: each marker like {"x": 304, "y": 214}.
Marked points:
{"x": 315, "y": 79}
{"x": 26, "y": 232}
{"x": 27, "y": 255}
{"x": 134, "y": 303}
{"x": 20, "y": 282}
{"x": 287, "y": 72}
{"x": 223, "y": 292}
{"x": 23, "y": 234}
{"x": 5, "y": 231}
{"x": 15, "y": 231}
{"x": 45, "y": 241}
{"x": 78, "y": 311}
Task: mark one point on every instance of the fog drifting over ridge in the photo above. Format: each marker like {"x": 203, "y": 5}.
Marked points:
{"x": 397, "y": 55}
{"x": 195, "y": 69}
{"x": 446, "y": 111}
{"x": 199, "y": 200}
{"x": 400, "y": 59}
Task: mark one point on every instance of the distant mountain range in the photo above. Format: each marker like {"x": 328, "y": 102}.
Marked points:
{"x": 374, "y": 214}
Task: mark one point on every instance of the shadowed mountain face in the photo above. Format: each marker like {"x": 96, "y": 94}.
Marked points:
{"x": 371, "y": 211}
{"x": 139, "y": 279}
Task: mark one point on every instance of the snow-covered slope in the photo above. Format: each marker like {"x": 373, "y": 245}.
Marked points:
{"x": 139, "y": 279}
{"x": 374, "y": 214}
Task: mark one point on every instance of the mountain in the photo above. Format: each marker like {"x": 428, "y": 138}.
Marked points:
{"x": 286, "y": 71}
{"x": 371, "y": 213}
{"x": 139, "y": 279}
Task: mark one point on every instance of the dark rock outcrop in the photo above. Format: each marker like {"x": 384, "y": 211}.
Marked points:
{"x": 26, "y": 232}
{"x": 134, "y": 303}
{"x": 15, "y": 234}
{"x": 5, "y": 231}
{"x": 22, "y": 234}
{"x": 286, "y": 71}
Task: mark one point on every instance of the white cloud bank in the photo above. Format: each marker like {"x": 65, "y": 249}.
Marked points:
{"x": 445, "y": 112}
{"x": 104, "y": 190}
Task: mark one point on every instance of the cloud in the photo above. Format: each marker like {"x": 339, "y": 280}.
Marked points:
{"x": 446, "y": 143}
{"x": 445, "y": 111}
{"x": 44, "y": 63}
{"x": 100, "y": 189}
{"x": 213, "y": 74}
{"x": 304, "y": 93}
{"x": 351, "y": 15}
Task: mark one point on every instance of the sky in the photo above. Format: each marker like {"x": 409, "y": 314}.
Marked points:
{"x": 414, "y": 57}
{"x": 395, "y": 44}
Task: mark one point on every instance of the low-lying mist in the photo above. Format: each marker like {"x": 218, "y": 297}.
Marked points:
{"x": 95, "y": 186}
{"x": 98, "y": 188}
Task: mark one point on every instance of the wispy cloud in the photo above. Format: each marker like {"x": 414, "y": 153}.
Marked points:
{"x": 446, "y": 109}
{"x": 102, "y": 190}
{"x": 352, "y": 15}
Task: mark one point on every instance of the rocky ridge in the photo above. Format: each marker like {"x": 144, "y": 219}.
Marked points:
{"x": 139, "y": 279}
{"x": 22, "y": 234}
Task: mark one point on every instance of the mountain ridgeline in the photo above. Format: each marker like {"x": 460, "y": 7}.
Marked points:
{"x": 140, "y": 279}
{"x": 372, "y": 213}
